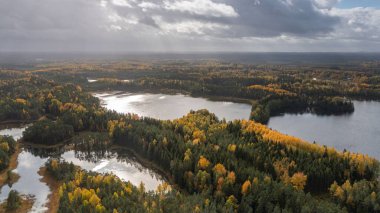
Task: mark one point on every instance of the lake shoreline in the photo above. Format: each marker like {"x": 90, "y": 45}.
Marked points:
{"x": 175, "y": 92}
{"x": 53, "y": 197}
{"x": 146, "y": 105}
{"x": 143, "y": 161}
{"x": 358, "y": 132}
{"x": 146, "y": 163}
{"x": 25, "y": 206}
{"x": 13, "y": 162}
{"x": 15, "y": 122}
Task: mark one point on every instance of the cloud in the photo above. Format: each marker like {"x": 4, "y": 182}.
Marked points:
{"x": 244, "y": 18}
{"x": 185, "y": 24}
{"x": 271, "y": 18}
{"x": 201, "y": 7}
{"x": 189, "y": 27}
{"x": 361, "y": 24}
{"x": 148, "y": 5}
{"x": 325, "y": 4}
{"x": 122, "y": 3}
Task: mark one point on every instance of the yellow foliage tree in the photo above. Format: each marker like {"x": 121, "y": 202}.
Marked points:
{"x": 219, "y": 169}
{"x": 347, "y": 186}
{"x": 4, "y": 147}
{"x": 188, "y": 155}
{"x": 199, "y": 136}
{"x": 339, "y": 193}
{"x": 282, "y": 169}
{"x": 203, "y": 163}
{"x": 21, "y": 101}
{"x": 246, "y": 187}
{"x": 358, "y": 161}
{"x": 231, "y": 177}
{"x": 54, "y": 164}
{"x": 231, "y": 148}
{"x": 220, "y": 184}
{"x": 99, "y": 208}
{"x": 94, "y": 200}
{"x": 231, "y": 202}
{"x": 298, "y": 180}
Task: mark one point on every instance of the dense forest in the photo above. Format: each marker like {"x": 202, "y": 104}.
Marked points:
{"x": 272, "y": 89}
{"x": 213, "y": 165}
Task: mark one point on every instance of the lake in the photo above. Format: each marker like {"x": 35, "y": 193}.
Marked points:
{"x": 356, "y": 132}
{"x": 168, "y": 107}
{"x": 120, "y": 163}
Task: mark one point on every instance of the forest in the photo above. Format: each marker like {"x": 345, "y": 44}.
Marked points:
{"x": 212, "y": 165}
{"x": 271, "y": 89}
{"x": 7, "y": 148}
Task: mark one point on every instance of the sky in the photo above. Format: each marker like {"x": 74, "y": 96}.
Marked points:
{"x": 358, "y": 3}
{"x": 190, "y": 25}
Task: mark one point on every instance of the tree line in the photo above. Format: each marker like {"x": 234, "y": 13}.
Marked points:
{"x": 239, "y": 166}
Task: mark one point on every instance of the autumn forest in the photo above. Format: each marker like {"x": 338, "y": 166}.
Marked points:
{"x": 209, "y": 164}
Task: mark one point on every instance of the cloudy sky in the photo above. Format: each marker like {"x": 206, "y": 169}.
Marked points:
{"x": 189, "y": 25}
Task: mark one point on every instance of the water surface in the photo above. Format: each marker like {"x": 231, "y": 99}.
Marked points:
{"x": 162, "y": 106}
{"x": 356, "y": 132}
{"x": 120, "y": 163}
{"x": 15, "y": 132}
{"x": 29, "y": 182}
{"x": 27, "y": 168}
{"x": 31, "y": 159}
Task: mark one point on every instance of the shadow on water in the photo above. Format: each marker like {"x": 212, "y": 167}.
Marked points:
{"x": 119, "y": 162}
{"x": 31, "y": 158}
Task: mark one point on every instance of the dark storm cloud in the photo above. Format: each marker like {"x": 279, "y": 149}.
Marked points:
{"x": 276, "y": 17}
{"x": 97, "y": 25}
{"x": 244, "y": 18}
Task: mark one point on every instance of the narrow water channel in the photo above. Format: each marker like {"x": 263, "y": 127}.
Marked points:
{"x": 31, "y": 159}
